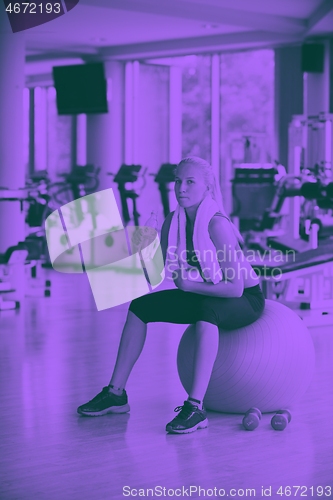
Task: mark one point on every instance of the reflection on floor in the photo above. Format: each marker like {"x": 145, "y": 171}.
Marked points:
{"x": 57, "y": 353}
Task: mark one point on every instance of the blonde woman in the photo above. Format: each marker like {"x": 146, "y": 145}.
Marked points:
{"x": 213, "y": 286}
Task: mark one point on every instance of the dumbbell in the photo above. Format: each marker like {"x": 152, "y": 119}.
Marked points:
{"x": 251, "y": 419}
{"x": 281, "y": 419}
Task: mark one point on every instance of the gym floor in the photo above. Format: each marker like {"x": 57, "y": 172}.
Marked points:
{"x": 57, "y": 353}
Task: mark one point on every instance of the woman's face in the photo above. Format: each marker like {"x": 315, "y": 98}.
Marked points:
{"x": 190, "y": 187}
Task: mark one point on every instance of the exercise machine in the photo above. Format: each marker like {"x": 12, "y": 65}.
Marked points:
{"x": 310, "y": 158}
{"x": 294, "y": 241}
{"x": 246, "y": 152}
{"x": 128, "y": 179}
{"x": 303, "y": 281}
{"x": 81, "y": 181}
{"x": 164, "y": 177}
{"x": 253, "y": 189}
{"x": 300, "y": 216}
{"x": 315, "y": 223}
{"x": 12, "y": 277}
{"x": 20, "y": 264}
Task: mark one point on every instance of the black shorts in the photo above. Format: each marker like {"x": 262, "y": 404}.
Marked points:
{"x": 176, "y": 306}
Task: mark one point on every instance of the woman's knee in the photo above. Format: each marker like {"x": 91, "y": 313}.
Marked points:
{"x": 205, "y": 327}
{"x": 133, "y": 318}
{"x": 138, "y": 307}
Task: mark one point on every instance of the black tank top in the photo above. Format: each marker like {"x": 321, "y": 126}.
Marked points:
{"x": 191, "y": 257}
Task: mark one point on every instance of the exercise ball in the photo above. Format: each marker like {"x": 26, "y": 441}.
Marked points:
{"x": 268, "y": 364}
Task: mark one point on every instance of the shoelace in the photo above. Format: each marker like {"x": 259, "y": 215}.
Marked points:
{"x": 104, "y": 392}
{"x": 186, "y": 410}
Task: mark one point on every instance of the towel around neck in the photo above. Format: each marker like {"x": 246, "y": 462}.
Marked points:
{"x": 203, "y": 246}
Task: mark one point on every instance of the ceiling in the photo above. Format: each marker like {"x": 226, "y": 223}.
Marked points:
{"x": 140, "y": 29}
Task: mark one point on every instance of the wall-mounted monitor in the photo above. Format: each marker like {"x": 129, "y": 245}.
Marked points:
{"x": 313, "y": 57}
{"x": 80, "y": 88}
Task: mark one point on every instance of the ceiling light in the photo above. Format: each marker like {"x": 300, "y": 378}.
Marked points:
{"x": 97, "y": 39}
{"x": 210, "y": 26}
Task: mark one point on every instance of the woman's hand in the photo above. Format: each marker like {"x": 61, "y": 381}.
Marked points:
{"x": 182, "y": 284}
{"x": 143, "y": 236}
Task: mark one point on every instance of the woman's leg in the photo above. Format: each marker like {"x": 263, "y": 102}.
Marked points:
{"x": 114, "y": 399}
{"x": 192, "y": 415}
{"x": 228, "y": 313}
{"x": 130, "y": 347}
{"x": 169, "y": 305}
{"x": 206, "y": 347}
{"x": 176, "y": 307}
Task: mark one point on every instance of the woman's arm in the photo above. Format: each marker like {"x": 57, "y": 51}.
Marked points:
{"x": 165, "y": 234}
{"x": 232, "y": 284}
{"x": 222, "y": 289}
{"x": 154, "y": 267}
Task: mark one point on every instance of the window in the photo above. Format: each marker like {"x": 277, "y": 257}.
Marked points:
{"x": 247, "y": 98}
{"x": 47, "y": 136}
{"x": 247, "y": 112}
{"x": 197, "y": 107}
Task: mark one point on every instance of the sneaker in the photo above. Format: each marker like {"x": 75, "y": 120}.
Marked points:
{"x": 105, "y": 402}
{"x": 189, "y": 419}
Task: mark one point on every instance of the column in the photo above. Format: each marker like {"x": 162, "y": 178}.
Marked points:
{"x": 132, "y": 102}
{"x": 331, "y": 74}
{"x": 105, "y": 131}
{"x": 128, "y": 125}
{"x": 136, "y": 119}
{"x": 215, "y": 115}
{"x": 175, "y": 114}
{"x": 288, "y": 96}
{"x": 12, "y": 174}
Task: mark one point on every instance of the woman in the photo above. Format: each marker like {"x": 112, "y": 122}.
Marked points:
{"x": 214, "y": 286}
